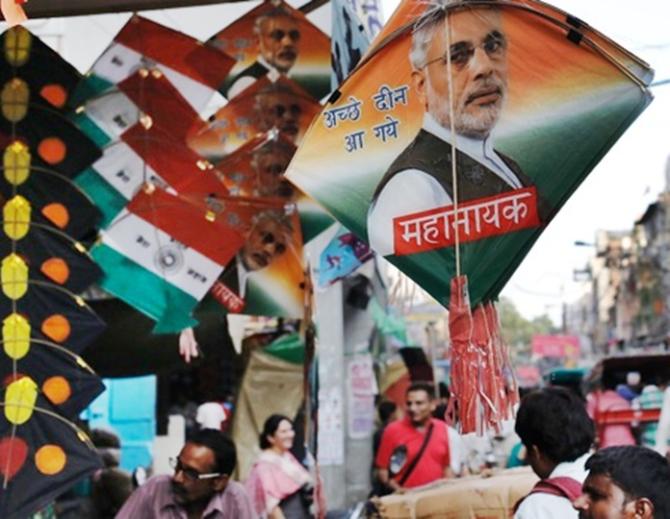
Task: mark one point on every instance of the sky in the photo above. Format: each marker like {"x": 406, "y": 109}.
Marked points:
{"x": 614, "y": 195}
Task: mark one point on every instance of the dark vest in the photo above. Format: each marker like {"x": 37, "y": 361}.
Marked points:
{"x": 432, "y": 155}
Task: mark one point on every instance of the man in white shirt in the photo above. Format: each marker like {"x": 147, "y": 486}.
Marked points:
{"x": 211, "y": 415}
{"x": 557, "y": 432}
{"x": 420, "y": 178}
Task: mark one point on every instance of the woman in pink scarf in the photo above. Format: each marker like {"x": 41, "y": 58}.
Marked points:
{"x": 278, "y": 485}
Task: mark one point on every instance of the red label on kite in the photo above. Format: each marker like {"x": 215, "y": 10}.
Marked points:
{"x": 474, "y": 220}
{"x": 227, "y": 297}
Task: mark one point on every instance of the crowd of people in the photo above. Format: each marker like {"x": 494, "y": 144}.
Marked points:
{"x": 202, "y": 486}
{"x": 413, "y": 447}
{"x": 557, "y": 438}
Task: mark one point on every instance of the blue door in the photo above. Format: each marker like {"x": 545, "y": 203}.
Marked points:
{"x": 128, "y": 407}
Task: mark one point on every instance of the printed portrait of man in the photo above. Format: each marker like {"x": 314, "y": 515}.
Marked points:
{"x": 269, "y": 162}
{"x": 420, "y": 178}
{"x": 278, "y": 39}
{"x": 269, "y": 238}
{"x": 276, "y": 106}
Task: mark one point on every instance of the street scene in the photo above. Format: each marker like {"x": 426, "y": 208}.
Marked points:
{"x": 335, "y": 259}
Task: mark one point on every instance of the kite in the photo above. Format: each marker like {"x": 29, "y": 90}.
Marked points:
{"x": 44, "y": 323}
{"x": 151, "y": 248}
{"x": 196, "y": 70}
{"x": 64, "y": 378}
{"x": 142, "y": 155}
{"x": 50, "y": 199}
{"x": 342, "y": 256}
{"x": 50, "y": 78}
{"x": 41, "y": 453}
{"x": 52, "y": 141}
{"x": 50, "y": 256}
{"x": 271, "y": 41}
{"x": 146, "y": 96}
{"x": 463, "y": 185}
{"x": 263, "y": 106}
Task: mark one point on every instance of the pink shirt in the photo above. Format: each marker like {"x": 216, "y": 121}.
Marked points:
{"x": 599, "y": 403}
{"x": 154, "y": 500}
{"x": 273, "y": 478}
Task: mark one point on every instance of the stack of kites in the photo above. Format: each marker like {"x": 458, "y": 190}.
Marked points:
{"x": 46, "y": 219}
{"x": 192, "y": 207}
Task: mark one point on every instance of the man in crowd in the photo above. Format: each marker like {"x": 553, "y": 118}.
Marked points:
{"x": 418, "y": 449}
{"x": 200, "y": 487}
{"x": 278, "y": 47}
{"x": 625, "y": 482}
{"x": 420, "y": 178}
{"x": 557, "y": 433}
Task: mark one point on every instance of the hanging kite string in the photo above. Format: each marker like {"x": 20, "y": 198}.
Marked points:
{"x": 454, "y": 176}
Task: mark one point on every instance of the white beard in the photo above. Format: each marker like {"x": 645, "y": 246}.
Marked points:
{"x": 468, "y": 125}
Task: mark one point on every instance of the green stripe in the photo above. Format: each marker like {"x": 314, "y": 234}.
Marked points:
{"x": 108, "y": 200}
{"x": 91, "y": 86}
{"x": 313, "y": 223}
{"x": 92, "y": 130}
{"x": 145, "y": 291}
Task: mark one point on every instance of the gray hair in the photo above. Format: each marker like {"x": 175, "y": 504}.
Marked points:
{"x": 278, "y": 11}
{"x": 426, "y": 26}
{"x": 282, "y": 218}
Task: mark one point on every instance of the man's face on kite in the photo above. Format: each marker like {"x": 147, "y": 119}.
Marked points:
{"x": 478, "y": 72}
{"x": 279, "y": 41}
{"x": 267, "y": 240}
{"x": 270, "y": 165}
{"x": 280, "y": 110}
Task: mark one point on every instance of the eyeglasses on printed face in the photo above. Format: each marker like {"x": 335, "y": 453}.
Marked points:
{"x": 280, "y": 110}
{"x": 189, "y": 473}
{"x": 494, "y": 45}
{"x": 268, "y": 238}
{"x": 279, "y": 35}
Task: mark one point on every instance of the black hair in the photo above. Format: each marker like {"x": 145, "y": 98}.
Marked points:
{"x": 428, "y": 387}
{"x": 270, "y": 427}
{"x": 225, "y": 454}
{"x": 638, "y": 472}
{"x": 554, "y": 419}
{"x": 442, "y": 390}
{"x": 386, "y": 408}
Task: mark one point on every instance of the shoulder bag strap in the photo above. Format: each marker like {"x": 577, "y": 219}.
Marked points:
{"x": 416, "y": 459}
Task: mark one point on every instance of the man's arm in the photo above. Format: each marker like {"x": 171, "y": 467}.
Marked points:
{"x": 385, "y": 478}
{"x": 383, "y": 458}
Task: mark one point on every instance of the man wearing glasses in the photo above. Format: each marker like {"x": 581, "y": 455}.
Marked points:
{"x": 199, "y": 488}
{"x": 420, "y": 178}
{"x": 278, "y": 47}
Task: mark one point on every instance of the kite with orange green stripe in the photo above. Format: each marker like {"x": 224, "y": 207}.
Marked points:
{"x": 455, "y": 142}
